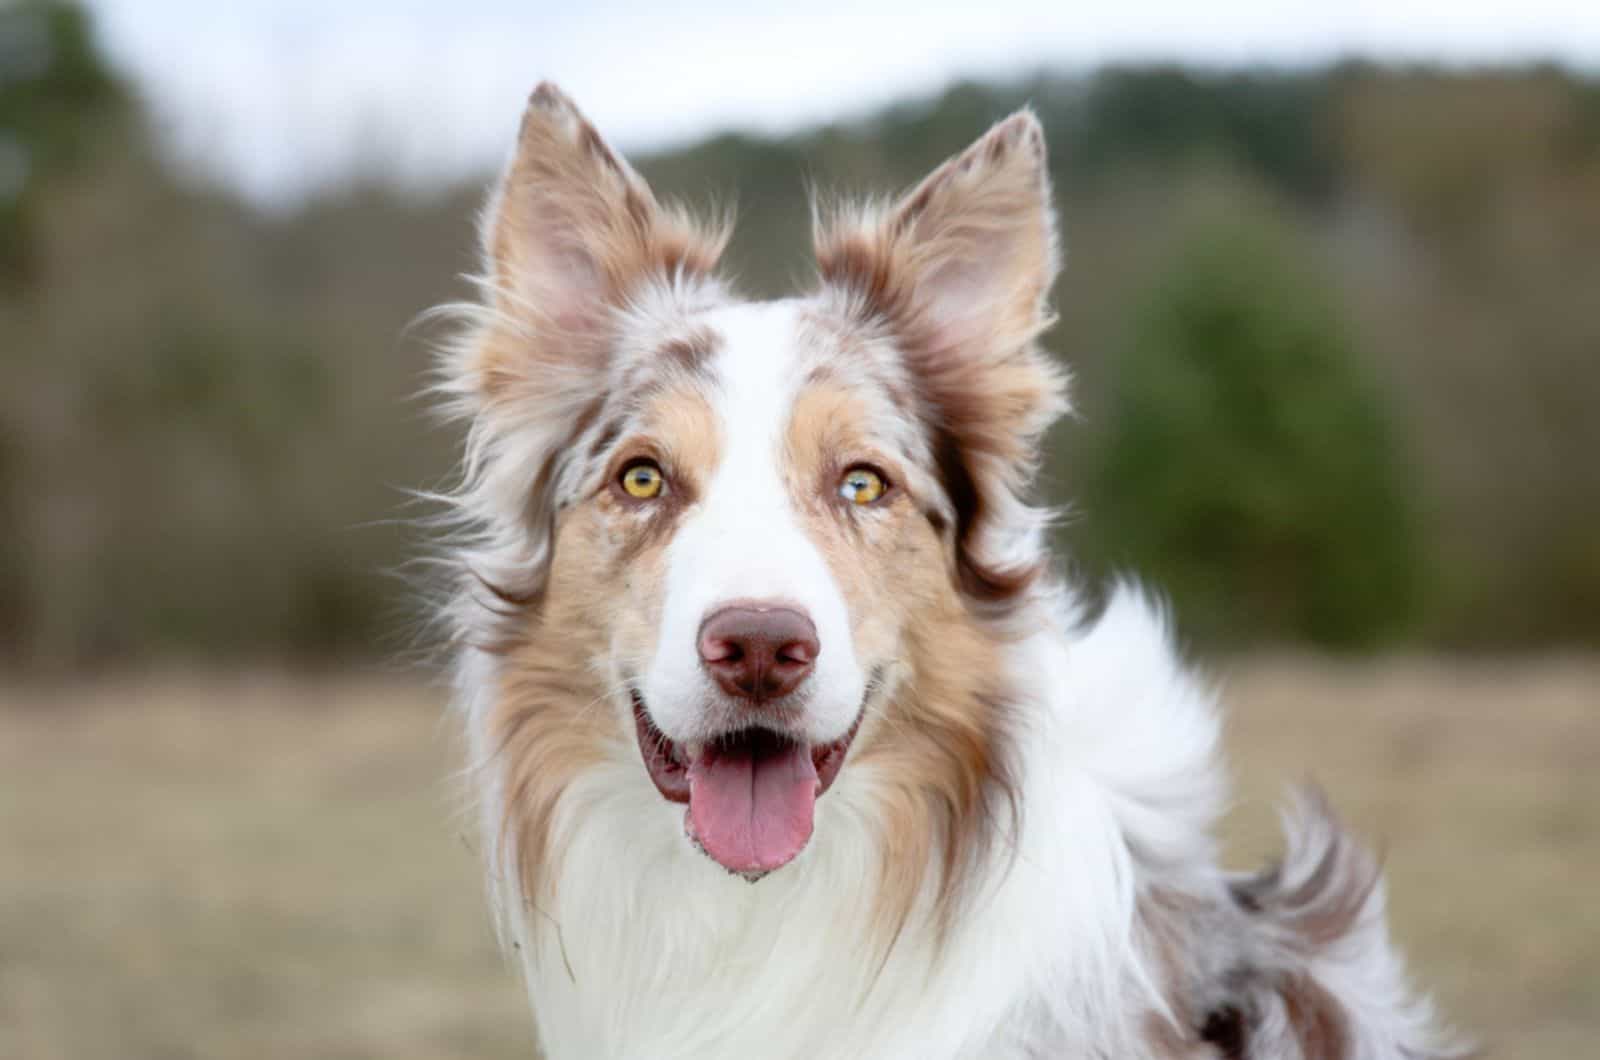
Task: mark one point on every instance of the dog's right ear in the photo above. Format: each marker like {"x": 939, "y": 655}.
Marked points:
{"x": 571, "y": 233}
{"x": 572, "y": 240}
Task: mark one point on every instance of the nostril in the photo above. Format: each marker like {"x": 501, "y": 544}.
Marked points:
{"x": 799, "y": 652}
{"x": 720, "y": 650}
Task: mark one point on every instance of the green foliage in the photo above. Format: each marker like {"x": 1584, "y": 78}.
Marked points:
{"x": 209, "y": 420}
{"x": 1248, "y": 467}
{"x": 55, "y": 90}
{"x": 1275, "y": 125}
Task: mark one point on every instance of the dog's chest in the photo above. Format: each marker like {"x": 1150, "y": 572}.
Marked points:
{"x": 660, "y": 955}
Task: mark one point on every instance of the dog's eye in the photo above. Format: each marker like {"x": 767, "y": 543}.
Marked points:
{"x": 643, "y": 480}
{"x": 862, "y": 485}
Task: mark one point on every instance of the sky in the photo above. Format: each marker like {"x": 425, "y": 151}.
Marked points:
{"x": 279, "y": 97}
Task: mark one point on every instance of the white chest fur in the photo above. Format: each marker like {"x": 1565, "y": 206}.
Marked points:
{"x": 651, "y": 950}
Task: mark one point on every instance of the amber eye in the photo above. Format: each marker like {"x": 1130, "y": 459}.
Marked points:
{"x": 643, "y": 480}
{"x": 862, "y": 485}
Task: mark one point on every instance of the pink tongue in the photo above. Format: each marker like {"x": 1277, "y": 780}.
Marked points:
{"x": 750, "y": 807}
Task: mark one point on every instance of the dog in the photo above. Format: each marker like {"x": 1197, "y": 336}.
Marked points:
{"x": 786, "y": 738}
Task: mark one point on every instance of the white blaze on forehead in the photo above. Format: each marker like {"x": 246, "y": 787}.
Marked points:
{"x": 743, "y": 540}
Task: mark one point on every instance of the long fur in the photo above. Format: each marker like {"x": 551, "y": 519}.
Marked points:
{"x": 1017, "y": 858}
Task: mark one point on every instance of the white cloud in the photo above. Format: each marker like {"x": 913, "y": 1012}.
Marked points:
{"x": 281, "y": 95}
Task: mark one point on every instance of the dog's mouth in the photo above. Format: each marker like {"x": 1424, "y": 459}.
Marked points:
{"x": 751, "y": 794}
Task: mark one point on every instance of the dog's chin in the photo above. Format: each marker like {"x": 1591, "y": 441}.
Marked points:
{"x": 750, "y": 793}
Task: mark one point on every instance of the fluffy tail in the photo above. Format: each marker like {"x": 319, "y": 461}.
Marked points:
{"x": 1298, "y": 965}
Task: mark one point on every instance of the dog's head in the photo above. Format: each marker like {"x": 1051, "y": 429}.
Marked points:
{"x": 749, "y": 544}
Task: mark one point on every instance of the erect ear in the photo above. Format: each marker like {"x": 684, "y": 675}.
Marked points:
{"x": 968, "y": 255}
{"x": 572, "y": 231}
{"x": 572, "y": 237}
{"x": 959, "y": 272}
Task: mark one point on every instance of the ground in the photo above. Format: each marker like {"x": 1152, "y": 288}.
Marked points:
{"x": 266, "y": 865}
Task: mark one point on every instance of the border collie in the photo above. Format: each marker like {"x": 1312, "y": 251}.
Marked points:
{"x": 787, "y": 740}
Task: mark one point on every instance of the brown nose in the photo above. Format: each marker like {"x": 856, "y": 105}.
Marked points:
{"x": 758, "y": 652}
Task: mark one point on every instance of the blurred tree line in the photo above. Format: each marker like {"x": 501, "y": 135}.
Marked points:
{"x": 1335, "y": 337}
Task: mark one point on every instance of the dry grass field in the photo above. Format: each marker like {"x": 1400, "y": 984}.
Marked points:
{"x": 266, "y": 865}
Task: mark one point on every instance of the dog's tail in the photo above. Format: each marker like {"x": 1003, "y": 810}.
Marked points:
{"x": 1298, "y": 964}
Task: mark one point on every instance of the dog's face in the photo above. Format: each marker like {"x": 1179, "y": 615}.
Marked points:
{"x": 764, "y": 507}
{"x": 730, "y": 532}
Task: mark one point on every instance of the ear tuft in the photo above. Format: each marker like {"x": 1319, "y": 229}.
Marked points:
{"x": 959, "y": 272}
{"x": 548, "y": 99}
{"x": 547, "y": 95}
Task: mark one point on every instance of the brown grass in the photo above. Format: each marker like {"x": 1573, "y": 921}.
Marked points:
{"x": 271, "y": 866}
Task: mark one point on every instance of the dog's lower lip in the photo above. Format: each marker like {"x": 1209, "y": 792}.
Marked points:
{"x": 668, "y": 762}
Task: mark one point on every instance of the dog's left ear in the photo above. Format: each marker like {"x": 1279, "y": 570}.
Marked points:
{"x": 959, "y": 272}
